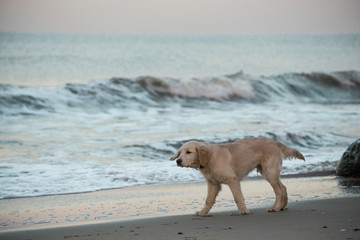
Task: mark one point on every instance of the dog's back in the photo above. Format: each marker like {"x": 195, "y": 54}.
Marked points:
{"x": 268, "y": 146}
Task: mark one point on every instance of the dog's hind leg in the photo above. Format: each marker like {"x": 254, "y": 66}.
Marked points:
{"x": 284, "y": 201}
{"x": 272, "y": 175}
{"x": 281, "y": 196}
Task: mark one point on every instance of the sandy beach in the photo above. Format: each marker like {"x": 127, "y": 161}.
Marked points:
{"x": 320, "y": 207}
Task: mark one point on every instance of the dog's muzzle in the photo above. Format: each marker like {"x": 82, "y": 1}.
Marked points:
{"x": 178, "y": 162}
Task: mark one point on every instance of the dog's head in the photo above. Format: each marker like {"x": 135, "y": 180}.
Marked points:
{"x": 192, "y": 154}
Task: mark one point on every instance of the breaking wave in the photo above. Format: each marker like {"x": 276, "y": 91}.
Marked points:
{"x": 101, "y": 95}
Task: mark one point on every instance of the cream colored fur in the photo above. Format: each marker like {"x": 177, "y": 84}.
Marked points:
{"x": 229, "y": 163}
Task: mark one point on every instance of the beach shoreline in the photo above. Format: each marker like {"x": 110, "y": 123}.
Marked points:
{"x": 335, "y": 218}
{"x": 248, "y": 178}
{"x": 148, "y": 202}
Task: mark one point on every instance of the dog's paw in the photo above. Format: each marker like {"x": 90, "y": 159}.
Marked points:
{"x": 273, "y": 209}
{"x": 244, "y": 212}
{"x": 200, "y": 213}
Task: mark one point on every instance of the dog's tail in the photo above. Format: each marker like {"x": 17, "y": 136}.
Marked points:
{"x": 289, "y": 152}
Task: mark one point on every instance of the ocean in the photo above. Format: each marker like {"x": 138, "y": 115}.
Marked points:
{"x": 85, "y": 112}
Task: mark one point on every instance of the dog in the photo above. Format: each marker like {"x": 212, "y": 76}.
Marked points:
{"x": 229, "y": 163}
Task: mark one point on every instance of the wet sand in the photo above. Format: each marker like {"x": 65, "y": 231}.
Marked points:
{"x": 324, "y": 207}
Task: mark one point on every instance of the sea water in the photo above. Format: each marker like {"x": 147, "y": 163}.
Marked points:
{"x": 81, "y": 112}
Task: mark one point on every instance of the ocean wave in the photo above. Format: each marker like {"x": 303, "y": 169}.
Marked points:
{"x": 101, "y": 95}
{"x": 213, "y": 88}
{"x": 337, "y": 87}
{"x": 300, "y": 86}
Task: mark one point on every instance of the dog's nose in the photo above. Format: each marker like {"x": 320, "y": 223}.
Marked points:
{"x": 178, "y": 161}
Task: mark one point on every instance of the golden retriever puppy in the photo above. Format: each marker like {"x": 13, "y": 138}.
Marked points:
{"x": 229, "y": 163}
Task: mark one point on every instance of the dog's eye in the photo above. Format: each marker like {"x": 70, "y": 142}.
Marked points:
{"x": 188, "y": 152}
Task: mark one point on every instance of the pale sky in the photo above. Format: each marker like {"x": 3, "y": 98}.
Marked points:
{"x": 181, "y": 16}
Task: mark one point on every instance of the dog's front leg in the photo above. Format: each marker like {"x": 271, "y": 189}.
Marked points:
{"x": 213, "y": 190}
{"x": 238, "y": 196}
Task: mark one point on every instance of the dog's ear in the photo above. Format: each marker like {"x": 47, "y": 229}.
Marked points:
{"x": 203, "y": 155}
{"x": 176, "y": 156}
